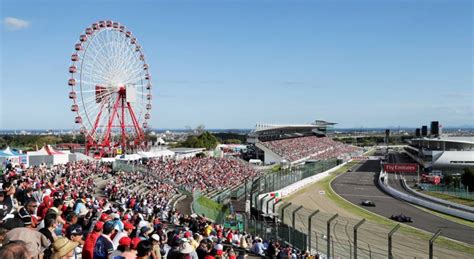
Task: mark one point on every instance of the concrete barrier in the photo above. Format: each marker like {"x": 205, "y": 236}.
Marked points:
{"x": 436, "y": 207}
{"x": 437, "y": 200}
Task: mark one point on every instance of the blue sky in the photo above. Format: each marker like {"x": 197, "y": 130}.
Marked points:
{"x": 232, "y": 64}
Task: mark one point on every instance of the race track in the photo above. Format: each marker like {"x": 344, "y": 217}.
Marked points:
{"x": 362, "y": 184}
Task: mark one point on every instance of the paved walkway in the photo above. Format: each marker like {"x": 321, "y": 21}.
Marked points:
{"x": 184, "y": 206}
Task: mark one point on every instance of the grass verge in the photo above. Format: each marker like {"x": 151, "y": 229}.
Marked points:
{"x": 450, "y": 198}
{"x": 209, "y": 204}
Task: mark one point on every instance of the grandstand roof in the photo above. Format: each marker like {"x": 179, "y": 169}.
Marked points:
{"x": 263, "y": 127}
{"x": 316, "y": 124}
{"x": 183, "y": 150}
{"x": 460, "y": 140}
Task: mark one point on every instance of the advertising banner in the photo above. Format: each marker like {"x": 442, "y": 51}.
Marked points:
{"x": 400, "y": 168}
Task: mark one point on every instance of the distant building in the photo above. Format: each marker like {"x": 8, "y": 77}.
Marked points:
{"x": 448, "y": 153}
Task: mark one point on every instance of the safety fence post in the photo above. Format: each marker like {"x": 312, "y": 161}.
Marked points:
{"x": 390, "y": 255}
{"x": 355, "y": 236}
{"x": 245, "y": 189}
{"x": 251, "y": 199}
{"x": 309, "y": 229}
{"x": 274, "y": 205}
{"x": 268, "y": 204}
{"x": 328, "y": 238}
{"x": 432, "y": 240}
{"x": 260, "y": 211}
{"x": 283, "y": 212}
{"x": 292, "y": 236}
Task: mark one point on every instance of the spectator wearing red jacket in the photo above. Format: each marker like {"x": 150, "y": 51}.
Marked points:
{"x": 89, "y": 243}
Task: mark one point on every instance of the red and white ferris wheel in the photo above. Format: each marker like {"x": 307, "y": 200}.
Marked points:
{"x": 110, "y": 89}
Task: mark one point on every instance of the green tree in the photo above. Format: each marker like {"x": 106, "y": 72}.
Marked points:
{"x": 48, "y": 140}
{"x": 233, "y": 141}
{"x": 3, "y": 143}
{"x": 467, "y": 178}
{"x": 205, "y": 140}
{"x": 209, "y": 141}
{"x": 448, "y": 180}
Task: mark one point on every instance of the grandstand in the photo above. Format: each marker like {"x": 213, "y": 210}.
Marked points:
{"x": 447, "y": 153}
{"x": 296, "y": 143}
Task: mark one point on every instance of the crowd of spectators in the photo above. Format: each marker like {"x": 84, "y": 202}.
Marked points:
{"x": 313, "y": 147}
{"x": 54, "y": 212}
{"x": 205, "y": 173}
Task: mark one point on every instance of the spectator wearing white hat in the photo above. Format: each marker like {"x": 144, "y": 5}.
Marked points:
{"x": 156, "y": 251}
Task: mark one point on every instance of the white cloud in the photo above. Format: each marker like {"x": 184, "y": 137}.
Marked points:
{"x": 13, "y": 24}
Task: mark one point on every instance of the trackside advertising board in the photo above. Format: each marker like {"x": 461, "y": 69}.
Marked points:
{"x": 400, "y": 168}
{"x": 363, "y": 158}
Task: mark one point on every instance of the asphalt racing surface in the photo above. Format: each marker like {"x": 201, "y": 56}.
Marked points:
{"x": 361, "y": 184}
{"x": 394, "y": 179}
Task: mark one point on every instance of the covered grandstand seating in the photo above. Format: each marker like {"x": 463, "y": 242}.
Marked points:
{"x": 309, "y": 147}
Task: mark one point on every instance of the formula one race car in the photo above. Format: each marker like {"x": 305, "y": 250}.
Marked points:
{"x": 368, "y": 203}
{"x": 401, "y": 218}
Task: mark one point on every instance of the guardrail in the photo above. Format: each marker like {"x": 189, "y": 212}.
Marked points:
{"x": 440, "y": 208}
{"x": 438, "y": 200}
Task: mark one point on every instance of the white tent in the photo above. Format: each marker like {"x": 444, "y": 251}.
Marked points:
{"x": 12, "y": 156}
{"x": 155, "y": 154}
{"x": 160, "y": 141}
{"x": 107, "y": 159}
{"x": 131, "y": 157}
{"x": 48, "y": 155}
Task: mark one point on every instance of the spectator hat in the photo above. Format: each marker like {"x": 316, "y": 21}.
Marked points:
{"x": 104, "y": 217}
{"x": 62, "y": 246}
{"x": 155, "y": 237}
{"x": 75, "y": 230}
{"x": 125, "y": 241}
{"x": 186, "y": 248}
{"x": 99, "y": 226}
{"x": 145, "y": 230}
{"x": 128, "y": 226}
{"x": 135, "y": 242}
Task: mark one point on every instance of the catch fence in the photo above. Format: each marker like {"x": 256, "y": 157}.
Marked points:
{"x": 338, "y": 236}
{"x": 460, "y": 192}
